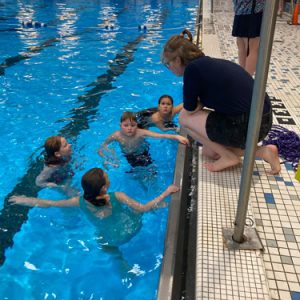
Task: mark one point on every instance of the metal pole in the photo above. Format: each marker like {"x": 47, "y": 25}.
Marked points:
{"x": 264, "y": 54}
{"x": 199, "y": 24}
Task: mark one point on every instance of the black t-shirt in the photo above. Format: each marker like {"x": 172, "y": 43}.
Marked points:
{"x": 220, "y": 85}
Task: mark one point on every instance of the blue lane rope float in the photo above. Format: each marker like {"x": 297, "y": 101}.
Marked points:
{"x": 287, "y": 142}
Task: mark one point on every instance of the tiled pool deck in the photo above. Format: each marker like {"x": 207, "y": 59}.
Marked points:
{"x": 274, "y": 206}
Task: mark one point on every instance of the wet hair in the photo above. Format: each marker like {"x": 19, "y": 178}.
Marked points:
{"x": 166, "y": 96}
{"x": 182, "y": 46}
{"x": 52, "y": 145}
{"x": 127, "y": 115}
{"x": 92, "y": 182}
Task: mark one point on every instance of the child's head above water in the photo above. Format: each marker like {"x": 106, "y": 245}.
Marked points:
{"x": 95, "y": 183}
{"x": 128, "y": 124}
{"x": 57, "y": 150}
{"x": 166, "y": 97}
{"x": 165, "y": 105}
{"x": 127, "y": 115}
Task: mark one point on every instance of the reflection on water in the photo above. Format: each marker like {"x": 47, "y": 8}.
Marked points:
{"x": 74, "y": 78}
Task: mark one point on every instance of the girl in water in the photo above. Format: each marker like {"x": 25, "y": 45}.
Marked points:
{"x": 57, "y": 171}
{"x": 161, "y": 117}
{"x": 116, "y": 216}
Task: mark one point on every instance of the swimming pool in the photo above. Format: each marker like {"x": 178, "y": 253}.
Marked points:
{"x": 74, "y": 78}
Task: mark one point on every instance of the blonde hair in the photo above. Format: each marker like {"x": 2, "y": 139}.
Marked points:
{"x": 182, "y": 46}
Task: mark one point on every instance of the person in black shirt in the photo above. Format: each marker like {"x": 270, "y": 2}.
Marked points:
{"x": 217, "y": 98}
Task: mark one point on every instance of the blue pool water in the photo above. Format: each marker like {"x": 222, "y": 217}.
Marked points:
{"x": 75, "y": 78}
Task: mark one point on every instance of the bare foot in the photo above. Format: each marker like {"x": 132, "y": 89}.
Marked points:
{"x": 221, "y": 164}
{"x": 209, "y": 153}
{"x": 270, "y": 155}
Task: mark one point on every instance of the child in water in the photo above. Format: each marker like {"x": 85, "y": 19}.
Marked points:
{"x": 132, "y": 141}
{"x": 57, "y": 171}
{"x": 161, "y": 117}
{"x": 117, "y": 217}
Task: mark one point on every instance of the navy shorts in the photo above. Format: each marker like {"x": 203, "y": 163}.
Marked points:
{"x": 231, "y": 131}
{"x": 247, "y": 26}
{"x": 139, "y": 160}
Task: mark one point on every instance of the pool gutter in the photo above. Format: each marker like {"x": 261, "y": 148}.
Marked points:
{"x": 177, "y": 277}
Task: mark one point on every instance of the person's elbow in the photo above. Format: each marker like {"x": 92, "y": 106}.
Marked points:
{"x": 40, "y": 183}
{"x": 142, "y": 208}
{"x": 184, "y": 115}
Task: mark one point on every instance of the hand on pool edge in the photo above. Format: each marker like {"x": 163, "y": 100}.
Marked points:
{"x": 172, "y": 189}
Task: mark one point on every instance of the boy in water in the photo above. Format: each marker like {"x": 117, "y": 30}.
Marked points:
{"x": 132, "y": 141}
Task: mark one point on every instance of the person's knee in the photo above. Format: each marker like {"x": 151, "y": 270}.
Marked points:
{"x": 239, "y": 42}
{"x": 182, "y": 119}
{"x": 254, "y": 46}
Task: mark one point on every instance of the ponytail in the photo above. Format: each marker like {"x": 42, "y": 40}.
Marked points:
{"x": 182, "y": 46}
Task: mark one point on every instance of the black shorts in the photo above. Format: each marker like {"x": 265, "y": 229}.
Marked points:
{"x": 247, "y": 26}
{"x": 231, "y": 131}
{"x": 139, "y": 160}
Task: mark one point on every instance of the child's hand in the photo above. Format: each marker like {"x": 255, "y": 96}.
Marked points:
{"x": 21, "y": 200}
{"x": 51, "y": 185}
{"x": 173, "y": 189}
{"x": 183, "y": 140}
{"x": 106, "y": 164}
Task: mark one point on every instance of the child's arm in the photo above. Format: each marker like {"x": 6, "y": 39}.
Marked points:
{"x": 179, "y": 138}
{"x": 177, "y": 109}
{"x": 109, "y": 154}
{"x": 122, "y": 197}
{"x": 42, "y": 178}
{"x": 104, "y": 146}
{"x": 45, "y": 203}
{"x": 161, "y": 126}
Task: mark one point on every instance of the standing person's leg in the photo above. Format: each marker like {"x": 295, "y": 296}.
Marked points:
{"x": 251, "y": 59}
{"x": 242, "y": 44}
{"x": 195, "y": 125}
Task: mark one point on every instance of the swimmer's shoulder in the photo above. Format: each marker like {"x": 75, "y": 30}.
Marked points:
{"x": 156, "y": 118}
{"x": 115, "y": 136}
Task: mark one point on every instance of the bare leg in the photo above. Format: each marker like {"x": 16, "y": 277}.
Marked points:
{"x": 206, "y": 151}
{"x": 251, "y": 59}
{"x": 269, "y": 153}
{"x": 210, "y": 153}
{"x": 242, "y": 50}
{"x": 194, "y": 124}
